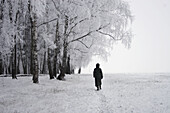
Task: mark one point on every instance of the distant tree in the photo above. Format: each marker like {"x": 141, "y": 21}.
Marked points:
{"x": 1, "y": 64}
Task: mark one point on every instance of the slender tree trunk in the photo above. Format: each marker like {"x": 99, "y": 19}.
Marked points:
{"x": 65, "y": 45}
{"x": 34, "y": 49}
{"x": 18, "y": 65}
{"x": 1, "y": 26}
{"x": 10, "y": 64}
{"x": 79, "y": 71}
{"x": 68, "y": 71}
{"x": 24, "y": 66}
{"x": 32, "y": 33}
{"x": 63, "y": 66}
{"x": 31, "y": 56}
{"x": 14, "y": 56}
{"x": 56, "y": 50}
{"x": 44, "y": 69}
{"x": 54, "y": 65}
{"x": 49, "y": 65}
{"x": 1, "y": 64}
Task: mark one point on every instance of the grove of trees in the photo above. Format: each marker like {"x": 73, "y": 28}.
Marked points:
{"x": 57, "y": 36}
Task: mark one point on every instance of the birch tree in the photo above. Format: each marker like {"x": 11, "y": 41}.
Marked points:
{"x": 84, "y": 20}
{"x": 35, "y": 10}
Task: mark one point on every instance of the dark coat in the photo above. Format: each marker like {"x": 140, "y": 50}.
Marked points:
{"x": 97, "y": 73}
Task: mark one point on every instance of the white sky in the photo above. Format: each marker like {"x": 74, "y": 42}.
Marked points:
{"x": 150, "y": 48}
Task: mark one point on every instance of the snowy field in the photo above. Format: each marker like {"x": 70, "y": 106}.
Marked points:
{"x": 121, "y": 93}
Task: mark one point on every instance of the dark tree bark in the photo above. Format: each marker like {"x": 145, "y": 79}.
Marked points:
{"x": 54, "y": 65}
{"x": 65, "y": 47}
{"x": 44, "y": 68}
{"x": 34, "y": 59}
{"x": 14, "y": 61}
{"x": 63, "y": 66}
{"x": 79, "y": 71}
{"x": 32, "y": 33}
{"x": 56, "y": 50}
{"x": 18, "y": 65}
{"x": 68, "y": 71}
{"x": 49, "y": 65}
{"x": 1, "y": 64}
{"x": 1, "y": 25}
{"x": 62, "y": 73}
{"x": 9, "y": 65}
{"x": 34, "y": 49}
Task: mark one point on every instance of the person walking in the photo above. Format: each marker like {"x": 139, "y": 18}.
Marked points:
{"x": 98, "y": 75}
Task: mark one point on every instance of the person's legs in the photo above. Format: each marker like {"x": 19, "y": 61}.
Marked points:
{"x": 100, "y": 83}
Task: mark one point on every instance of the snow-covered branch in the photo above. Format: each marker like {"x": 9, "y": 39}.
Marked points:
{"x": 89, "y": 33}
{"x": 47, "y": 22}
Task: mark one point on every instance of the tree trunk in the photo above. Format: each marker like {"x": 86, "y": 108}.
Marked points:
{"x": 1, "y": 26}
{"x": 32, "y": 33}
{"x": 14, "y": 61}
{"x": 79, "y": 71}
{"x": 44, "y": 69}
{"x": 1, "y": 65}
{"x": 68, "y": 71}
{"x": 18, "y": 65}
{"x": 63, "y": 66}
{"x": 65, "y": 45}
{"x": 56, "y": 50}
{"x": 34, "y": 50}
{"x": 9, "y": 64}
{"x": 54, "y": 64}
{"x": 49, "y": 65}
{"x": 62, "y": 73}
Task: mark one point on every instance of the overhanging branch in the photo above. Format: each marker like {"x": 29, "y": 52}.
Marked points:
{"x": 76, "y": 25}
{"x": 87, "y": 34}
{"x": 80, "y": 51}
{"x": 85, "y": 44}
{"x": 107, "y": 34}
{"x": 56, "y": 7}
{"x": 47, "y": 22}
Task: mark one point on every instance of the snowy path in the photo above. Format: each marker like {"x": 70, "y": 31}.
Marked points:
{"x": 121, "y": 93}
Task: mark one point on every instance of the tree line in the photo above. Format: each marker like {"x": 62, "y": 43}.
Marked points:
{"x": 57, "y": 36}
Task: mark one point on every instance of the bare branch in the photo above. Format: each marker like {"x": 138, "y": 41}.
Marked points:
{"x": 56, "y": 7}
{"x": 47, "y": 22}
{"x": 80, "y": 50}
{"x": 76, "y": 25}
{"x": 85, "y": 44}
{"x": 107, "y": 34}
{"x": 87, "y": 34}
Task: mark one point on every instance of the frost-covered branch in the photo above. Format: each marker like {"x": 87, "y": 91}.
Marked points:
{"x": 56, "y": 7}
{"x": 80, "y": 50}
{"x": 85, "y": 44}
{"x": 107, "y": 34}
{"x": 77, "y": 24}
{"x": 47, "y": 22}
{"x": 87, "y": 34}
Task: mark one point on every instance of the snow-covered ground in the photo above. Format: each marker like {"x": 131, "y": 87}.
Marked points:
{"x": 121, "y": 93}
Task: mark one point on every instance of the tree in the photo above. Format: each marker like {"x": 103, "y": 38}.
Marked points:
{"x": 85, "y": 20}
{"x": 34, "y": 11}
